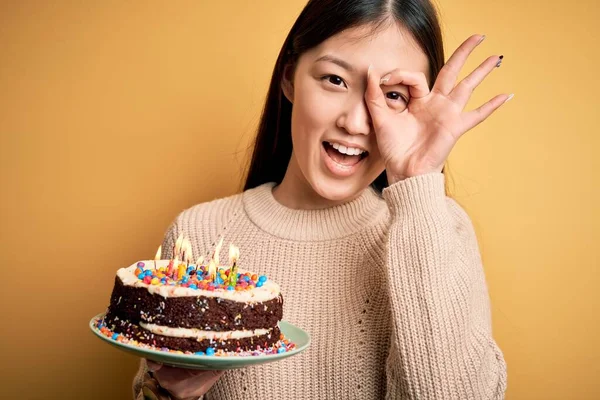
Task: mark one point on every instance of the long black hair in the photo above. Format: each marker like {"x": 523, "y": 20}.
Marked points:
{"x": 319, "y": 20}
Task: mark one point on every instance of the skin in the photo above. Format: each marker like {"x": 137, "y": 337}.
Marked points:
{"x": 364, "y": 107}
{"x": 183, "y": 384}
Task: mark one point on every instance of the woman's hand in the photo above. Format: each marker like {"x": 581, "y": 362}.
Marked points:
{"x": 419, "y": 139}
{"x": 183, "y": 383}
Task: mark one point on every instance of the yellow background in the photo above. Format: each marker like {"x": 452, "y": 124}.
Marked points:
{"x": 114, "y": 116}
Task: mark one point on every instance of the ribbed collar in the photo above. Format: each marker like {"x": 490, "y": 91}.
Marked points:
{"x": 311, "y": 225}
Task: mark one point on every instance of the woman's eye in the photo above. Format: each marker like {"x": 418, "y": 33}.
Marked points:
{"x": 396, "y": 96}
{"x": 334, "y": 79}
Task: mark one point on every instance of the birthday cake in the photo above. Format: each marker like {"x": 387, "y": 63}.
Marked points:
{"x": 198, "y": 307}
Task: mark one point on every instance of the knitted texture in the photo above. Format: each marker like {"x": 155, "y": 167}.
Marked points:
{"x": 391, "y": 290}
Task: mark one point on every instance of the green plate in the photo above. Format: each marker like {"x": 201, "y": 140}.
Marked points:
{"x": 293, "y": 333}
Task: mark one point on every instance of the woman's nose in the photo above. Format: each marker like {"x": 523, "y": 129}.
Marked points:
{"x": 356, "y": 119}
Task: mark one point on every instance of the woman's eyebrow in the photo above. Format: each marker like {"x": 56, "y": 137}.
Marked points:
{"x": 335, "y": 60}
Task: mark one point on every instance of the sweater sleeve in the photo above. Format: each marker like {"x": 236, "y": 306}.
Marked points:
{"x": 441, "y": 344}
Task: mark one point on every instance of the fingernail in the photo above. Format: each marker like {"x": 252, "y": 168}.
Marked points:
{"x": 481, "y": 39}
{"x": 509, "y": 97}
{"x": 385, "y": 79}
{"x": 369, "y": 71}
{"x": 499, "y": 61}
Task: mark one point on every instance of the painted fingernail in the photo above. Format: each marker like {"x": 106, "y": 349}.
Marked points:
{"x": 499, "y": 61}
{"x": 509, "y": 97}
{"x": 481, "y": 39}
{"x": 385, "y": 79}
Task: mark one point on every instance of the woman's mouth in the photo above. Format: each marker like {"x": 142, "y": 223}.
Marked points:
{"x": 342, "y": 161}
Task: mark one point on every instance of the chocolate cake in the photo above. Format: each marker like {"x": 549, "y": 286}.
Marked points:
{"x": 195, "y": 308}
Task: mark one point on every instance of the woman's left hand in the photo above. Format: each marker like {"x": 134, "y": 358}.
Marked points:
{"x": 419, "y": 139}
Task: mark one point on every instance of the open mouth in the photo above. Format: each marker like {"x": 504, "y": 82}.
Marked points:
{"x": 341, "y": 157}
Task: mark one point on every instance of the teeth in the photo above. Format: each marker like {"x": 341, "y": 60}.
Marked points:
{"x": 351, "y": 151}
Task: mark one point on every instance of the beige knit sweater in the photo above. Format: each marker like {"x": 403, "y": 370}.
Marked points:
{"x": 391, "y": 290}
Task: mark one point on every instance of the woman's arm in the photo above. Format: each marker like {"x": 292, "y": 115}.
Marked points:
{"x": 441, "y": 345}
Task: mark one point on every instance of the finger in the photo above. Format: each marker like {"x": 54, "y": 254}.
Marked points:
{"x": 449, "y": 73}
{"x": 185, "y": 383}
{"x": 416, "y": 82}
{"x": 475, "y": 117}
{"x": 170, "y": 373}
{"x": 210, "y": 379}
{"x": 462, "y": 92}
{"x": 153, "y": 366}
{"x": 374, "y": 98}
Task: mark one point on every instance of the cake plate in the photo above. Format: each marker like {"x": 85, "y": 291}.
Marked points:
{"x": 292, "y": 333}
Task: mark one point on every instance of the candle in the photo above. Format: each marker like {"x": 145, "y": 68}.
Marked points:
{"x": 234, "y": 254}
{"x": 174, "y": 265}
{"x": 187, "y": 245}
{"x": 212, "y": 271}
{"x": 199, "y": 262}
{"x": 181, "y": 270}
{"x": 184, "y": 252}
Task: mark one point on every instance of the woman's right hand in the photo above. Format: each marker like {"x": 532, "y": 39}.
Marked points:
{"x": 183, "y": 383}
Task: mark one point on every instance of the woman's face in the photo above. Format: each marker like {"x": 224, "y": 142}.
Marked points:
{"x": 334, "y": 146}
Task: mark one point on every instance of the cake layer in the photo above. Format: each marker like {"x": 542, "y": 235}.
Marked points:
{"x": 137, "y": 304}
{"x": 133, "y": 331}
{"x": 199, "y": 334}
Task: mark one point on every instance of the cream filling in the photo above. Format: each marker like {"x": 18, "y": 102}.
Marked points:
{"x": 199, "y": 334}
{"x": 268, "y": 291}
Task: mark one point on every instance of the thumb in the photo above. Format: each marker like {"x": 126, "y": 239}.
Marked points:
{"x": 374, "y": 97}
{"x": 153, "y": 366}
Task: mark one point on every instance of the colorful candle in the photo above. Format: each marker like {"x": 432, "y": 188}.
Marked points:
{"x": 187, "y": 252}
{"x": 234, "y": 254}
{"x": 199, "y": 262}
{"x": 181, "y": 270}
{"x": 212, "y": 271}
{"x": 173, "y": 266}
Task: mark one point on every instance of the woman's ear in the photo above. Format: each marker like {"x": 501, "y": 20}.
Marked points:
{"x": 287, "y": 82}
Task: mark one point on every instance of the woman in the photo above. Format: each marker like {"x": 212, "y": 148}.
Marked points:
{"x": 345, "y": 207}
